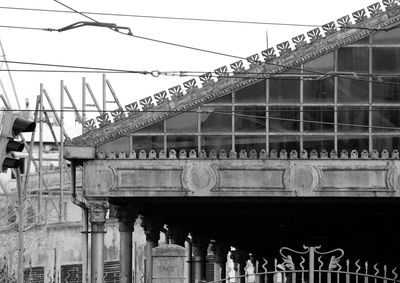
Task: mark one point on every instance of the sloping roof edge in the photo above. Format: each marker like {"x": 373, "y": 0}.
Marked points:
{"x": 320, "y": 42}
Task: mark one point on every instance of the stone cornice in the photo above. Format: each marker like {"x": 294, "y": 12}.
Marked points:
{"x": 211, "y": 90}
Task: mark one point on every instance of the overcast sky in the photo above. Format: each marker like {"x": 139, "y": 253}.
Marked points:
{"x": 103, "y": 48}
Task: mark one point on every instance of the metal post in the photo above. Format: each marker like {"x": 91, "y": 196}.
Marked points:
{"x": 20, "y": 274}
{"x": 104, "y": 94}
{"x": 83, "y": 101}
{"x": 61, "y": 154}
{"x": 311, "y": 265}
{"x": 40, "y": 149}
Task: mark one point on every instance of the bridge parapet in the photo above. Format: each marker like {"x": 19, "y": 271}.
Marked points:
{"x": 224, "y": 177}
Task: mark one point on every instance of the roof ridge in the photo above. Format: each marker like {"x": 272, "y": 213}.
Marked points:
{"x": 179, "y": 101}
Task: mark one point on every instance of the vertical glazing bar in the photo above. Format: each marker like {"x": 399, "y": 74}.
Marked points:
{"x": 335, "y": 101}
{"x": 301, "y": 112}
{"x": 329, "y": 277}
{"x": 233, "y": 120}
{"x": 370, "y": 113}
{"x": 267, "y": 115}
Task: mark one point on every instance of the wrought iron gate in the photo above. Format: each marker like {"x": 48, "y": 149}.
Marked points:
{"x": 315, "y": 266}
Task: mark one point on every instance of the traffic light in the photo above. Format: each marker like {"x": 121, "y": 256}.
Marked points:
{"x": 12, "y": 124}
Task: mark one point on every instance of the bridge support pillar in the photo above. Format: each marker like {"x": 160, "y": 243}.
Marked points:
{"x": 97, "y": 217}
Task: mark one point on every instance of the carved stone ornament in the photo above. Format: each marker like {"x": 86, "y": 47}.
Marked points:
{"x": 98, "y": 210}
{"x": 200, "y": 179}
{"x": 126, "y": 216}
{"x": 304, "y": 180}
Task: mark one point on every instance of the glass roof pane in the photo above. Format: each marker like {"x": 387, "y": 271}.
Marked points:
{"x": 252, "y": 93}
{"x": 216, "y": 119}
{"x": 183, "y": 123}
{"x": 387, "y": 37}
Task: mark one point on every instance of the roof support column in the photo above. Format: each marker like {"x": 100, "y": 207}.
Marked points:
{"x": 126, "y": 217}
{"x": 152, "y": 228}
{"x": 221, "y": 254}
{"x": 97, "y": 217}
{"x": 199, "y": 253}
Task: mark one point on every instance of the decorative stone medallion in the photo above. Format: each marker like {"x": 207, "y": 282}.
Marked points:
{"x": 200, "y": 179}
{"x": 304, "y": 180}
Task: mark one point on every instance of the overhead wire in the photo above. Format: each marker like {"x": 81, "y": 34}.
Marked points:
{"x": 174, "y": 18}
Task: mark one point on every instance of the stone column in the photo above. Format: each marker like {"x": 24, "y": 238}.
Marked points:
{"x": 221, "y": 255}
{"x": 199, "y": 250}
{"x": 97, "y": 217}
{"x": 239, "y": 258}
{"x": 126, "y": 217}
{"x": 152, "y": 228}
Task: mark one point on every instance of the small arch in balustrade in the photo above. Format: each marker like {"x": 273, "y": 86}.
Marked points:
{"x": 263, "y": 154}
{"x": 233, "y": 154}
{"x": 304, "y": 154}
{"x": 142, "y": 154}
{"x": 354, "y": 154}
{"x": 213, "y": 154}
{"x": 222, "y": 154}
{"x": 112, "y": 155}
{"x": 132, "y": 154}
{"x": 325, "y": 155}
{"x": 344, "y": 154}
{"x": 253, "y": 154}
{"x": 293, "y": 154}
{"x": 172, "y": 154}
{"x": 162, "y": 154}
{"x": 152, "y": 154}
{"x": 395, "y": 154}
{"x": 375, "y": 154}
{"x": 385, "y": 154}
{"x": 203, "y": 154}
{"x": 364, "y": 154}
{"x": 283, "y": 154}
{"x": 243, "y": 154}
{"x": 122, "y": 155}
{"x": 273, "y": 154}
{"x": 192, "y": 154}
{"x": 314, "y": 154}
{"x": 182, "y": 154}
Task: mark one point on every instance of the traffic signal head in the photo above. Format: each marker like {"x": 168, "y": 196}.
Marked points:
{"x": 11, "y": 126}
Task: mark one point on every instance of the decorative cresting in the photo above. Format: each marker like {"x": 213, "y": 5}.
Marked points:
{"x": 304, "y": 180}
{"x": 301, "y": 49}
{"x": 243, "y": 154}
{"x": 312, "y": 265}
{"x": 200, "y": 179}
{"x": 98, "y": 210}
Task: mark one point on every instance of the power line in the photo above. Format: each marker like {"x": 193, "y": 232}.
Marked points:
{"x": 176, "y": 18}
{"x": 29, "y": 28}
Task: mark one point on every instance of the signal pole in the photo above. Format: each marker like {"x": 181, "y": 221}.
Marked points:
{"x": 20, "y": 274}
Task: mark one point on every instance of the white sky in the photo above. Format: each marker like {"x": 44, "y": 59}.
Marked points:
{"x": 100, "y": 47}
